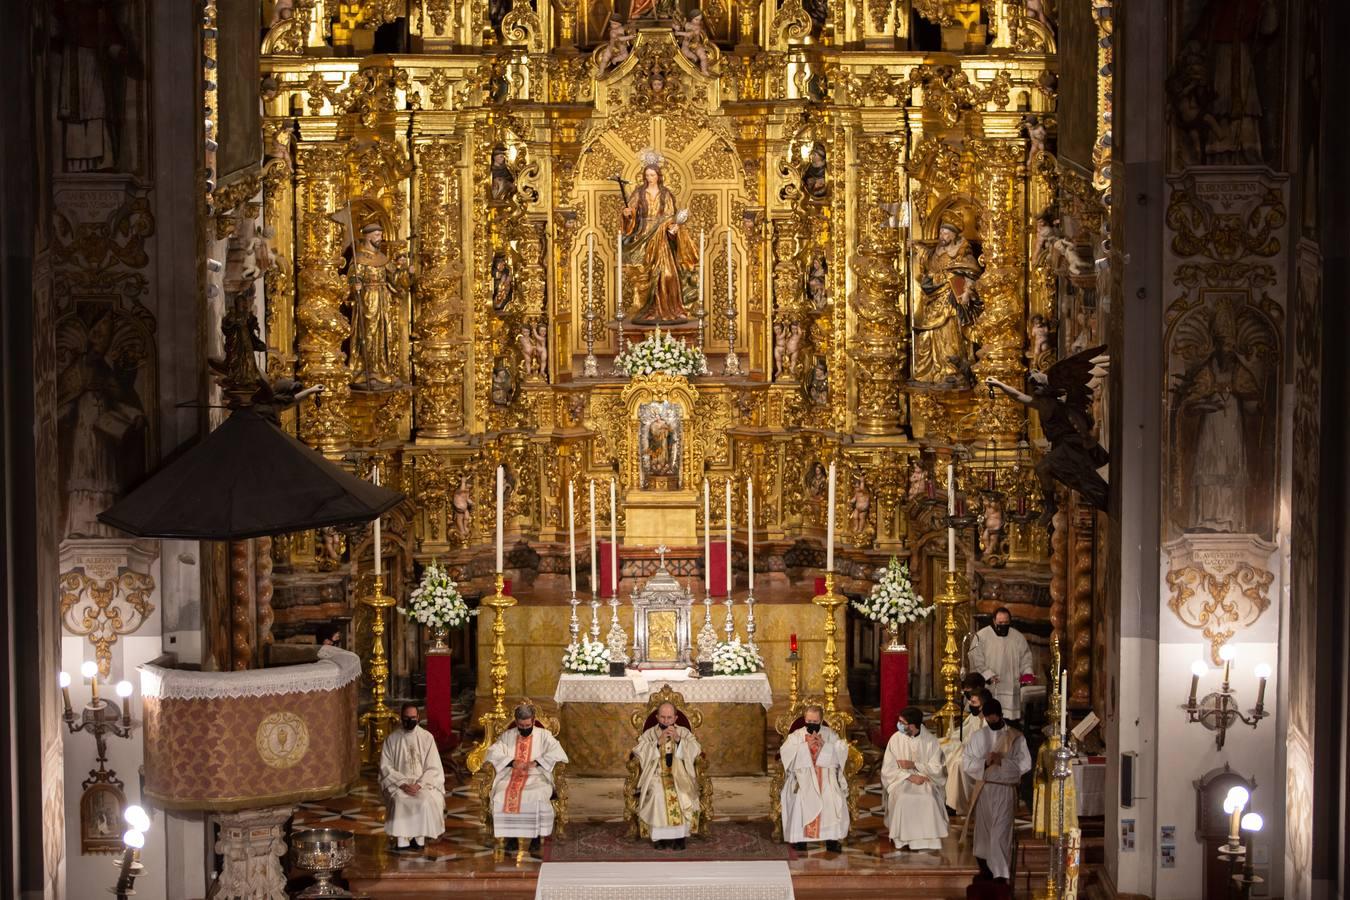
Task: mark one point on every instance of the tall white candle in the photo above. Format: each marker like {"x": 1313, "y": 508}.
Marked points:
{"x": 707, "y": 540}
{"x": 379, "y": 547}
{"x": 1064, "y": 704}
{"x": 613, "y": 540}
{"x": 618, "y": 277}
{"x": 829, "y": 524}
{"x": 730, "y": 295}
{"x": 501, "y": 494}
{"x": 951, "y": 511}
{"x": 595, "y": 585}
{"x": 590, "y": 270}
{"x": 700, "y": 270}
{"x": 571, "y": 536}
{"x": 728, "y": 537}
{"x": 750, "y": 533}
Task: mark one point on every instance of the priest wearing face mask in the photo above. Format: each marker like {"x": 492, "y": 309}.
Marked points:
{"x": 1001, "y": 654}
{"x": 997, "y": 758}
{"x": 815, "y": 795}
{"x": 913, "y": 775}
{"x": 668, "y": 786}
{"x": 523, "y": 758}
{"x": 959, "y": 784}
{"x": 413, "y": 784}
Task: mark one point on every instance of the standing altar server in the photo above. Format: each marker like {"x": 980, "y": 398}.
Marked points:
{"x": 523, "y": 758}
{"x": 413, "y": 783}
{"x": 1001, "y": 654}
{"x": 997, "y": 757}
{"x": 959, "y": 784}
{"x": 913, "y": 775}
{"x": 815, "y": 794}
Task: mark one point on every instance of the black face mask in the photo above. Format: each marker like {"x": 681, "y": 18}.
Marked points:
{"x": 994, "y": 726}
{"x": 409, "y": 723}
{"x": 812, "y": 727}
{"x": 974, "y": 710}
{"x": 525, "y": 732}
{"x": 1001, "y": 630}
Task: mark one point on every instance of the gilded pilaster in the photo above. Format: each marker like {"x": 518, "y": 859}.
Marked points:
{"x": 438, "y": 301}
{"x": 321, "y": 326}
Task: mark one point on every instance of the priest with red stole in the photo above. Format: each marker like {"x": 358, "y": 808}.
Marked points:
{"x": 522, "y": 789}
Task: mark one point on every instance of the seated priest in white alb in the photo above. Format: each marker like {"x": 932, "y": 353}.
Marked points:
{"x": 815, "y": 794}
{"x": 668, "y": 787}
{"x": 912, "y": 775}
{"x": 413, "y": 784}
{"x": 959, "y": 784}
{"x": 1000, "y": 653}
{"x": 522, "y": 788}
{"x": 997, "y": 758}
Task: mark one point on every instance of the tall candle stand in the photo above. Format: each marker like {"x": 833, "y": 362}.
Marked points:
{"x": 829, "y": 668}
{"x": 574, "y": 624}
{"x": 702, "y": 316}
{"x": 732, "y": 364}
{"x": 729, "y": 625}
{"x": 623, "y": 341}
{"x": 1061, "y": 772}
{"x": 590, "y": 368}
{"x": 794, "y": 661}
{"x": 379, "y": 720}
{"x": 493, "y": 720}
{"x": 750, "y": 622}
{"x": 595, "y": 619}
{"x": 949, "y": 602}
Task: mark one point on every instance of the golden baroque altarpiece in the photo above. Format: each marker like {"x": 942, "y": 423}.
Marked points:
{"x": 443, "y": 226}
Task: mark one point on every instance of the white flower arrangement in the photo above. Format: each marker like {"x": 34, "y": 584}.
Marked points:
{"x": 734, "y": 658}
{"x": 663, "y": 353}
{"x": 437, "y": 602}
{"x": 892, "y": 601}
{"x": 586, "y": 657}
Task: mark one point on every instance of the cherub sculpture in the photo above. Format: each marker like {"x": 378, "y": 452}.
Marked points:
{"x": 1062, "y": 397}
{"x": 860, "y": 504}
{"x": 692, "y": 39}
{"x": 461, "y": 503}
{"x": 534, "y": 349}
{"x": 991, "y": 526}
{"x": 616, "y": 49}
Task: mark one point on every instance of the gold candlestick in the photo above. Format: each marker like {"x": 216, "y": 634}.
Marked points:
{"x": 951, "y": 659}
{"x": 794, "y": 679}
{"x": 495, "y": 718}
{"x": 379, "y": 720}
{"x": 829, "y": 669}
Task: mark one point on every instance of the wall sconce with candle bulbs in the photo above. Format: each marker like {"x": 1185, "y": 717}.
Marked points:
{"x": 1218, "y": 711}
{"x": 129, "y": 867}
{"x": 99, "y": 717}
{"x": 1251, "y": 825}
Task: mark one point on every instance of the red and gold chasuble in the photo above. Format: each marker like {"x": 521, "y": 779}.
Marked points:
{"x": 520, "y": 773}
{"x": 812, "y": 829}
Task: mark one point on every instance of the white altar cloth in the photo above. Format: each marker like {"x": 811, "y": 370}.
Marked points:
{"x": 664, "y": 881}
{"x": 637, "y": 686}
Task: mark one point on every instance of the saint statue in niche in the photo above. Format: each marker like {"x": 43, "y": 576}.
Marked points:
{"x": 98, "y": 63}
{"x": 502, "y": 181}
{"x": 666, "y": 281}
{"x": 660, "y": 446}
{"x": 949, "y": 304}
{"x": 378, "y": 284}
{"x": 502, "y": 282}
{"x": 814, "y": 182}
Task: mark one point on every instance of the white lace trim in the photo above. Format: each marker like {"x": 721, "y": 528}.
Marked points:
{"x": 335, "y": 669}
{"x": 636, "y": 687}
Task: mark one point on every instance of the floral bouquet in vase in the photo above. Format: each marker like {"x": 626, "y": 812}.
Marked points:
{"x": 893, "y": 602}
{"x": 586, "y": 657}
{"x": 437, "y": 603}
{"x": 662, "y": 353}
{"x": 734, "y": 658}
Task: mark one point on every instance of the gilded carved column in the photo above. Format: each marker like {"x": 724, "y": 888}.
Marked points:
{"x": 320, "y": 325}
{"x": 877, "y": 345}
{"x": 1000, "y": 179}
{"x": 438, "y": 302}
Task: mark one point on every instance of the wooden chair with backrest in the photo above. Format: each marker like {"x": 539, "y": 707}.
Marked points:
{"x": 643, "y": 719}
{"x": 486, "y": 774}
{"x": 790, "y": 721}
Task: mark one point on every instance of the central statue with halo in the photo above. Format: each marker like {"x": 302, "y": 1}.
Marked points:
{"x": 652, "y": 224}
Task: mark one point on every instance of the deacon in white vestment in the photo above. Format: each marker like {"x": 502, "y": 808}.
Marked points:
{"x": 413, "y": 783}
{"x": 523, "y": 758}
{"x": 668, "y": 786}
{"x": 913, "y": 775}
{"x": 959, "y": 784}
{"x": 1001, "y": 654}
{"x": 815, "y": 792}
{"x": 996, "y": 758}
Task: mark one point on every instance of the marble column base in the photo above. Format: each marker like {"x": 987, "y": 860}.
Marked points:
{"x": 252, "y": 845}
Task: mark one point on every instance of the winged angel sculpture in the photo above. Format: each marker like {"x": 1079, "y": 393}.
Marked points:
{"x": 1062, "y": 397}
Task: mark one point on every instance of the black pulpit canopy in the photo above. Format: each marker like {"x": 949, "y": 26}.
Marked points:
{"x": 248, "y": 478}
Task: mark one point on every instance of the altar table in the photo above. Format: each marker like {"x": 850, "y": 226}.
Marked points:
{"x": 596, "y": 713}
